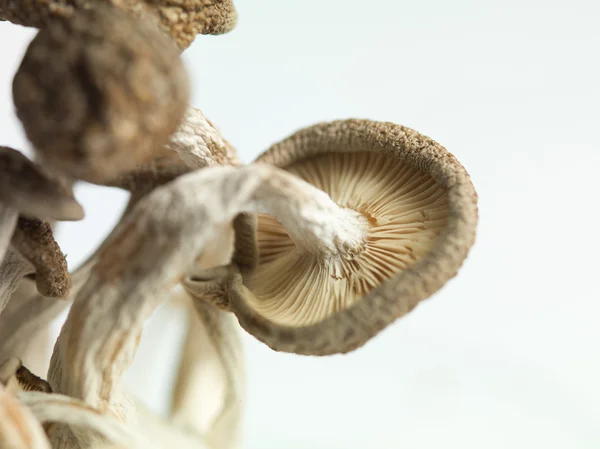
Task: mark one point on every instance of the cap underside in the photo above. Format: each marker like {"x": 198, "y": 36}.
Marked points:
{"x": 403, "y": 211}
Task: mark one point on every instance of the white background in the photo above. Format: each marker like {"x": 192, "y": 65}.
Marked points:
{"x": 507, "y": 354}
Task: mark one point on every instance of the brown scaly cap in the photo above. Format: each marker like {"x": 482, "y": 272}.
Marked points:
{"x": 98, "y": 94}
{"x": 34, "y": 240}
{"x": 182, "y": 19}
{"x": 24, "y": 187}
{"x": 419, "y": 210}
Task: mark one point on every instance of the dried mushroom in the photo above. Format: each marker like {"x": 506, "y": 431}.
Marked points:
{"x": 182, "y": 19}
{"x": 98, "y": 94}
{"x": 329, "y": 237}
{"x": 28, "y": 190}
{"x": 415, "y": 209}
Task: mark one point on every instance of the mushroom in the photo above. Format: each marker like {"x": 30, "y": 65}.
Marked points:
{"x": 26, "y": 189}
{"x": 415, "y": 209}
{"x": 183, "y": 20}
{"x": 98, "y": 94}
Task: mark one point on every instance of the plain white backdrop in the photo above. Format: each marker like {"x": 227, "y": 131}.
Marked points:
{"x": 507, "y": 354}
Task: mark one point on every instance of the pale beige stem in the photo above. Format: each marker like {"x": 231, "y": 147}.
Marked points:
{"x": 199, "y": 143}
{"x": 12, "y": 270}
{"x": 149, "y": 254}
{"x": 56, "y": 408}
{"x": 26, "y": 317}
{"x": 210, "y": 384}
{"x": 19, "y": 429}
{"x": 8, "y": 221}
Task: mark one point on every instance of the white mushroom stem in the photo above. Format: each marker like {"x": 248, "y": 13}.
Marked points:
{"x": 199, "y": 144}
{"x": 313, "y": 221}
{"x": 56, "y": 408}
{"x": 19, "y": 429}
{"x": 12, "y": 270}
{"x": 25, "y": 318}
{"x": 210, "y": 382}
{"x": 151, "y": 251}
{"x": 212, "y": 360}
{"x": 8, "y": 221}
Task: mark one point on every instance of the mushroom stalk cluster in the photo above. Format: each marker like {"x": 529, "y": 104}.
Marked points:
{"x": 327, "y": 238}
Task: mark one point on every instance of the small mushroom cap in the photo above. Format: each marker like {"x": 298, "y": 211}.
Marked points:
{"x": 98, "y": 94}
{"x": 182, "y": 19}
{"x": 417, "y": 209}
{"x": 24, "y": 187}
{"x": 34, "y": 240}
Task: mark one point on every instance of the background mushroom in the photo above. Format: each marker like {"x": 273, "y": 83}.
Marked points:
{"x": 182, "y": 20}
{"x": 415, "y": 208}
{"x": 25, "y": 188}
{"x": 98, "y": 94}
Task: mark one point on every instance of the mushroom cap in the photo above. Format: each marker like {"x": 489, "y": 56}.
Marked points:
{"x": 25, "y": 188}
{"x": 98, "y": 94}
{"x": 34, "y": 240}
{"x": 417, "y": 208}
{"x": 181, "y": 19}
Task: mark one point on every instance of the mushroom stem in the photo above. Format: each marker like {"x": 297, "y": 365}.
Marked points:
{"x": 26, "y": 318}
{"x": 212, "y": 355}
{"x": 61, "y": 409}
{"x": 8, "y": 221}
{"x": 309, "y": 215}
{"x": 19, "y": 429}
{"x": 199, "y": 143}
{"x": 12, "y": 270}
{"x": 150, "y": 252}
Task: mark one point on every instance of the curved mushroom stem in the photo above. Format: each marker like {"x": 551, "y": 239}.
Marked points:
{"x": 200, "y": 144}
{"x": 12, "y": 270}
{"x": 25, "y": 318}
{"x": 19, "y": 429}
{"x": 8, "y": 221}
{"x": 213, "y": 336}
{"x": 61, "y": 409}
{"x": 150, "y": 252}
{"x": 310, "y": 216}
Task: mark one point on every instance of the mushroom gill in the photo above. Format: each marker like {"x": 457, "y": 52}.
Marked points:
{"x": 402, "y": 211}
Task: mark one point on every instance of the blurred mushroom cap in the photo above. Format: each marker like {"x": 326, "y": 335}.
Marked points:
{"x": 24, "y": 187}
{"x": 100, "y": 93}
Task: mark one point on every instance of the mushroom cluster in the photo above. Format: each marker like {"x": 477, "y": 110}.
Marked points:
{"x": 327, "y": 238}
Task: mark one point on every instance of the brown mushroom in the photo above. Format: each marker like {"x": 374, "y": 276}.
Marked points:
{"x": 182, "y": 19}
{"x": 34, "y": 240}
{"x": 416, "y": 208}
{"x": 98, "y": 94}
{"x": 25, "y": 188}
